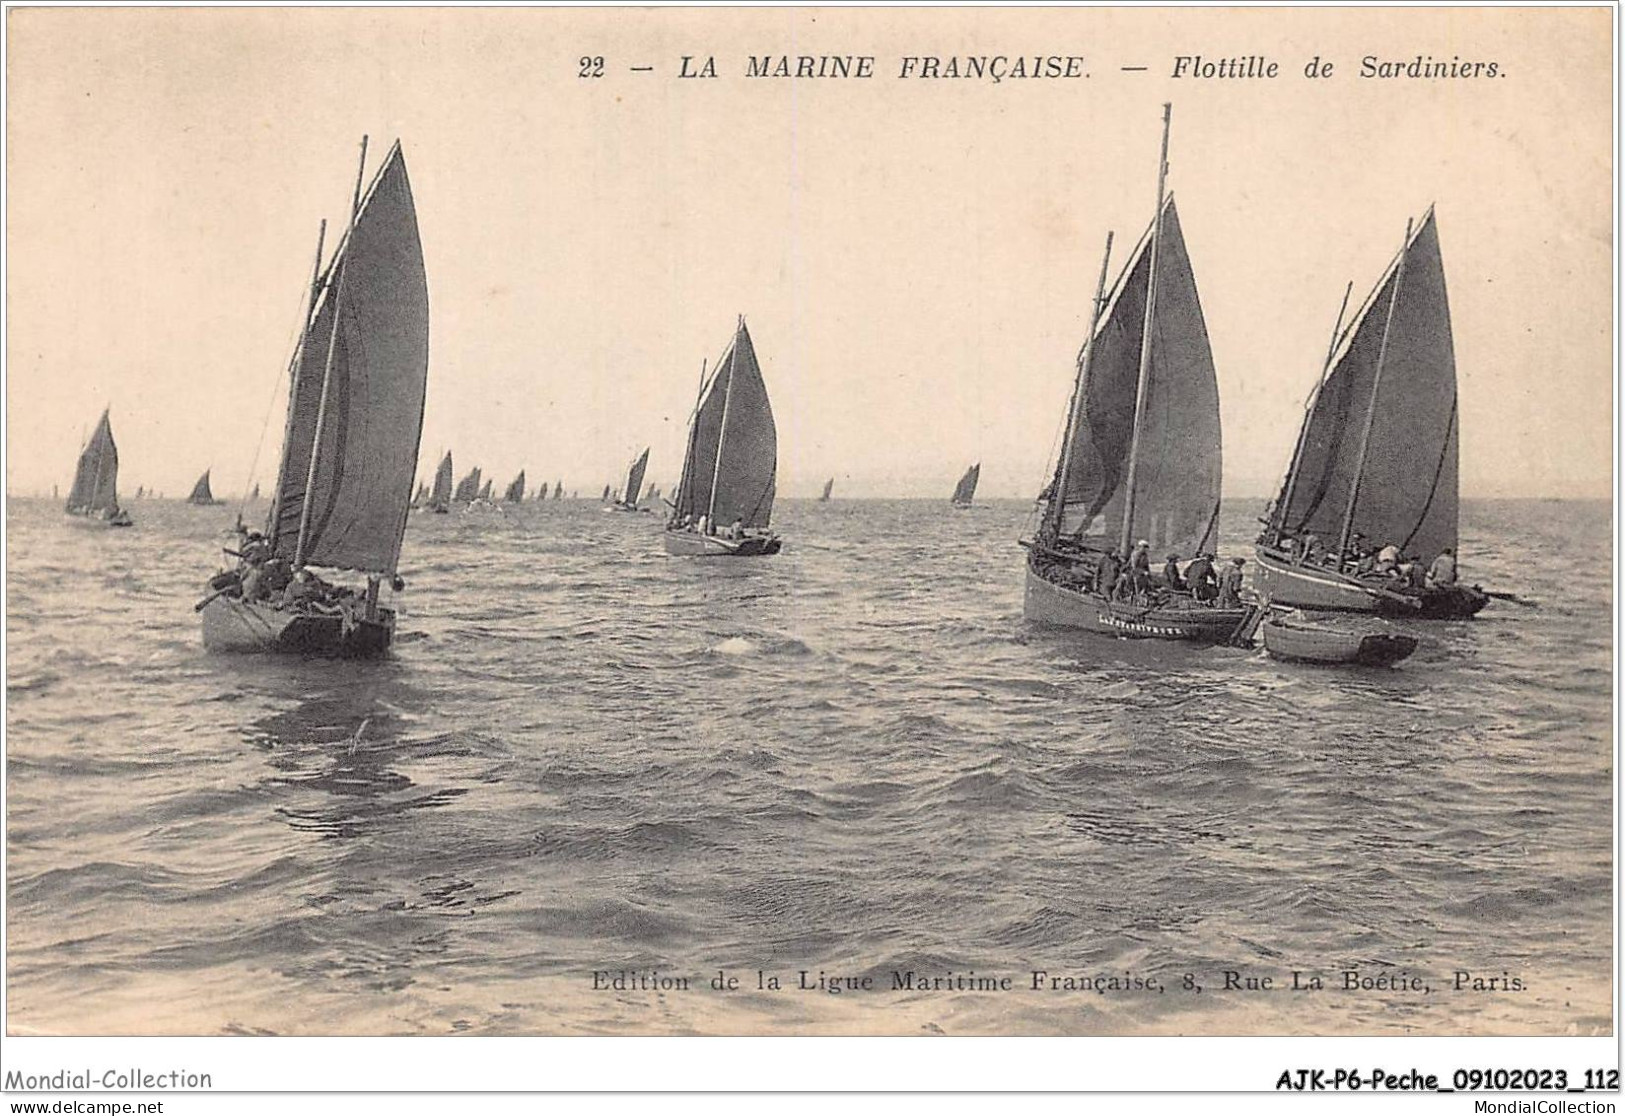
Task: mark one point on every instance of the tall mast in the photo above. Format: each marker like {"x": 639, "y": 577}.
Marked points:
{"x": 1057, "y": 493}
{"x": 1285, "y": 505}
{"x": 722, "y": 429}
{"x": 1145, "y": 339}
{"x": 337, "y": 287}
{"x": 1376, "y": 385}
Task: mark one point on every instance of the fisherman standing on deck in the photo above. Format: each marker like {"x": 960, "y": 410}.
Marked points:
{"x": 1199, "y": 576}
{"x": 1442, "y": 574}
{"x": 1230, "y": 584}
{"x": 1139, "y": 565}
{"x": 1106, "y": 573}
{"x": 1308, "y": 548}
{"x": 1170, "y": 574}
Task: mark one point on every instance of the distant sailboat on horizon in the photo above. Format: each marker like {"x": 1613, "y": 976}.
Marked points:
{"x": 94, "y": 495}
{"x": 634, "y": 483}
{"x": 439, "y": 499}
{"x": 725, "y": 498}
{"x": 516, "y": 489}
{"x": 965, "y": 490}
{"x": 202, "y": 495}
{"x": 829, "y": 486}
{"x": 468, "y": 489}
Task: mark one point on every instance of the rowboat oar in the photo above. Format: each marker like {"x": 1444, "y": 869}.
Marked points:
{"x": 204, "y": 603}
{"x": 1513, "y": 597}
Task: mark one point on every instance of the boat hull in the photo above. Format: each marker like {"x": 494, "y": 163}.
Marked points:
{"x": 234, "y": 625}
{"x": 1327, "y": 591}
{"x": 1320, "y": 645}
{"x": 1053, "y": 605}
{"x": 690, "y": 544}
{"x": 119, "y": 518}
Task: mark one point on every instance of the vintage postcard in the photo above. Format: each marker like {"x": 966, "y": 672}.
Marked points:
{"x": 808, "y": 522}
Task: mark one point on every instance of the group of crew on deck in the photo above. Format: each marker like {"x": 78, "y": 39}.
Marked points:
{"x": 267, "y": 577}
{"x": 703, "y": 525}
{"x": 1128, "y": 577}
{"x": 1385, "y": 565}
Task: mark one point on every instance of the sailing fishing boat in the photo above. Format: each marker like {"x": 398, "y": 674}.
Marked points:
{"x": 725, "y": 496}
{"x": 350, "y": 448}
{"x": 468, "y": 489}
{"x": 1375, "y": 467}
{"x": 634, "y": 483}
{"x": 558, "y": 490}
{"x": 485, "y": 492}
{"x": 255, "y": 495}
{"x": 201, "y": 495}
{"x": 439, "y": 499}
{"x": 965, "y": 490}
{"x": 94, "y": 495}
{"x": 516, "y": 489}
{"x": 1140, "y": 454}
{"x": 829, "y": 486}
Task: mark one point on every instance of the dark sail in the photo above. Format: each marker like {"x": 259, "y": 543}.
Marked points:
{"x": 829, "y": 486}
{"x": 441, "y": 493}
{"x": 634, "y": 477}
{"x": 729, "y": 471}
{"x": 516, "y": 489}
{"x": 200, "y": 491}
{"x": 376, "y": 367}
{"x": 485, "y": 491}
{"x": 558, "y": 490}
{"x": 468, "y": 489}
{"x": 1179, "y": 472}
{"x": 965, "y": 490}
{"x": 1407, "y": 494}
{"x": 95, "y": 480}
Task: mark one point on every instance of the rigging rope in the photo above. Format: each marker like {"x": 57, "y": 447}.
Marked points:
{"x": 270, "y": 407}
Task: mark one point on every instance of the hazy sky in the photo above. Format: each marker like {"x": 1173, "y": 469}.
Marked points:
{"x": 915, "y": 258}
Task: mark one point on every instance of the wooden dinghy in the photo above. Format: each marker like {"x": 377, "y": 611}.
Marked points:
{"x": 1304, "y": 643}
